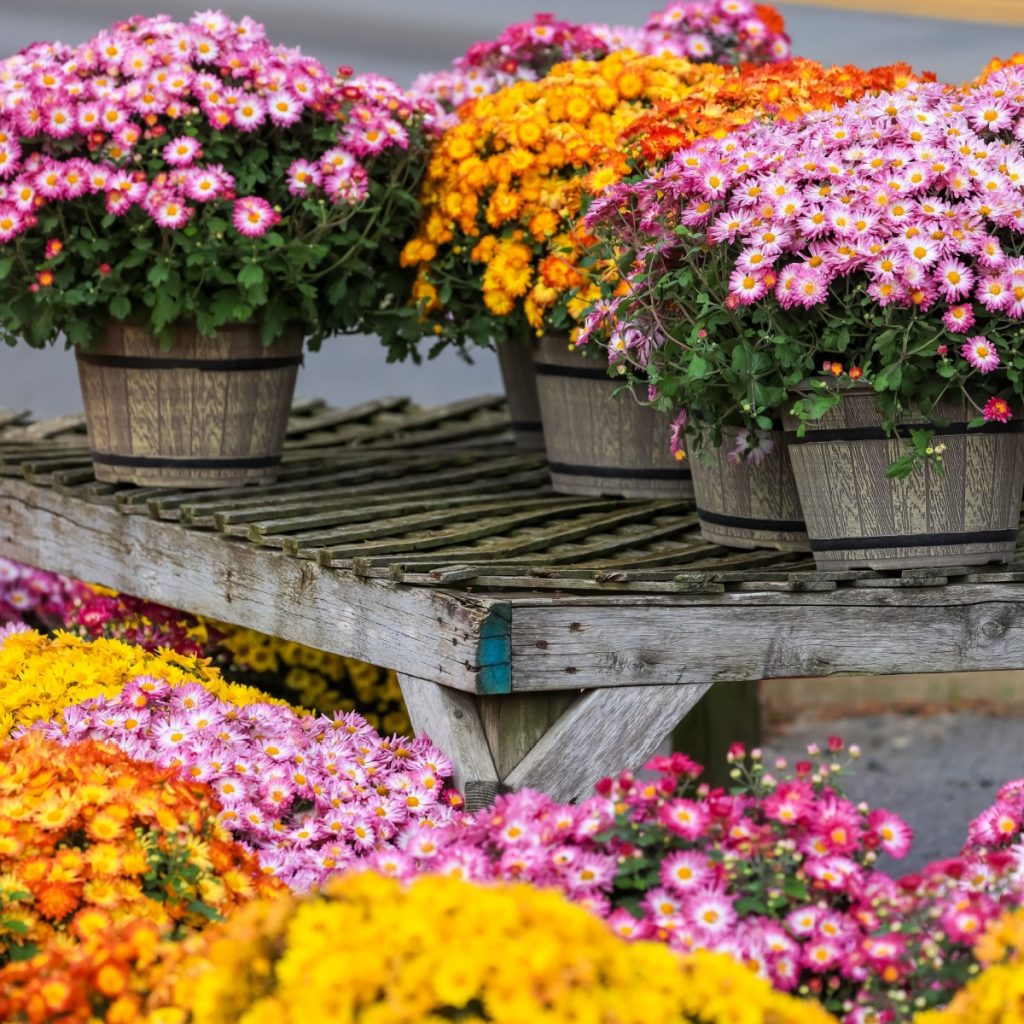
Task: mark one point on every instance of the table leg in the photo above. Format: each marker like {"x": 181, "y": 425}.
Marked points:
{"x": 559, "y": 742}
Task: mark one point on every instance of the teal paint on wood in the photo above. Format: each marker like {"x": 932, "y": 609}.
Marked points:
{"x": 494, "y": 651}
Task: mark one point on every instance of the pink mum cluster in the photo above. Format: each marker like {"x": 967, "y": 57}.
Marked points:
{"x": 722, "y": 31}
{"x": 912, "y": 197}
{"x": 31, "y": 593}
{"x": 725, "y": 31}
{"x": 779, "y": 873}
{"x": 307, "y": 793}
{"x": 525, "y": 836}
{"x": 72, "y": 120}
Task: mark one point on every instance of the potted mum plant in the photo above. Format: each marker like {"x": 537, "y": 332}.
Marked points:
{"x": 185, "y": 204}
{"x": 726, "y": 31}
{"x": 498, "y": 253}
{"x": 861, "y": 270}
{"x": 665, "y": 314}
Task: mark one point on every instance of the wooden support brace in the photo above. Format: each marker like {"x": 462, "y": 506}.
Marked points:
{"x": 560, "y": 743}
{"x": 603, "y": 732}
{"x": 451, "y": 719}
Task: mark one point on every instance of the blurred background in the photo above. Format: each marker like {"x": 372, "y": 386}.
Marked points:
{"x": 401, "y": 38}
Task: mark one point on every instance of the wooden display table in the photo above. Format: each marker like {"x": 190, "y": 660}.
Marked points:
{"x": 540, "y": 640}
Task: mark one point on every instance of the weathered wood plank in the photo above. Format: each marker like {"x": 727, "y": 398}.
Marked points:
{"x": 514, "y": 723}
{"x": 452, "y": 720}
{"x": 424, "y": 633}
{"x": 559, "y": 644}
{"x": 601, "y": 733}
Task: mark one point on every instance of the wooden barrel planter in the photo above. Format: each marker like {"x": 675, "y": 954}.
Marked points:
{"x": 858, "y": 519}
{"x": 598, "y": 444}
{"x": 211, "y": 412}
{"x": 744, "y": 505}
{"x": 516, "y": 361}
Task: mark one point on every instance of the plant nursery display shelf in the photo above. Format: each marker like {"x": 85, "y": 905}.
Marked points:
{"x": 540, "y": 640}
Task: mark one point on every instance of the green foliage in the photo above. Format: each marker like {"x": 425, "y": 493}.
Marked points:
{"x": 326, "y": 268}
{"x": 736, "y": 366}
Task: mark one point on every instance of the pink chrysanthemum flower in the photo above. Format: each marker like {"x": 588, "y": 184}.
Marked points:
{"x": 182, "y": 151}
{"x": 955, "y": 279}
{"x": 253, "y": 217}
{"x": 980, "y": 353}
{"x": 303, "y": 176}
{"x": 959, "y": 319}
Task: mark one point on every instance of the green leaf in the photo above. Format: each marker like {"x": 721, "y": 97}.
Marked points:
{"x": 17, "y": 927}
{"x": 795, "y": 888}
{"x": 6, "y": 265}
{"x": 698, "y": 368}
{"x": 120, "y": 307}
{"x": 251, "y": 275}
{"x": 901, "y": 468}
{"x": 22, "y": 953}
{"x": 198, "y": 907}
{"x": 158, "y": 274}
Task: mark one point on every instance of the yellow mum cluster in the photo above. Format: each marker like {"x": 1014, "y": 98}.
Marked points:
{"x": 996, "y": 995}
{"x": 40, "y": 676}
{"x": 318, "y": 680}
{"x": 506, "y": 187}
{"x": 369, "y": 950}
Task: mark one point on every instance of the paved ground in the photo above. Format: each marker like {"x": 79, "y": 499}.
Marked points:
{"x": 937, "y": 771}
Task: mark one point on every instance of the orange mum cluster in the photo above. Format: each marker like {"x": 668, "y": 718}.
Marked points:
{"x": 101, "y": 857}
{"x": 506, "y": 189}
{"x": 780, "y": 91}
{"x": 997, "y": 64}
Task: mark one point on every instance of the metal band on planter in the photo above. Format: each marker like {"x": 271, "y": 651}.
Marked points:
{"x": 203, "y": 365}
{"x": 748, "y": 504}
{"x": 515, "y": 358}
{"x": 858, "y": 518}
{"x": 598, "y": 443}
{"x": 211, "y": 413}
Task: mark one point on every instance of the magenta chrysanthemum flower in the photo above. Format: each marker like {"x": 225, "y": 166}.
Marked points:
{"x": 303, "y": 176}
{"x": 955, "y": 279}
{"x": 997, "y": 410}
{"x": 171, "y": 212}
{"x": 980, "y": 353}
{"x": 254, "y": 217}
{"x": 677, "y": 441}
{"x": 959, "y": 319}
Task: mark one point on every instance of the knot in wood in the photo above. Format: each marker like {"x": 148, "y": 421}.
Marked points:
{"x": 993, "y": 629}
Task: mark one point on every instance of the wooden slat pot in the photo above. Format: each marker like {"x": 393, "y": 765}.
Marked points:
{"x": 516, "y": 361}
{"x": 748, "y": 505}
{"x": 857, "y": 518}
{"x": 211, "y": 412}
{"x": 598, "y": 444}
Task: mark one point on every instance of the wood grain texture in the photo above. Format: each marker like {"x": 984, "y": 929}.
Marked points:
{"x": 188, "y": 413}
{"x": 515, "y": 722}
{"x": 515, "y": 359}
{"x": 585, "y": 425}
{"x": 452, "y": 720}
{"x": 765, "y": 491}
{"x": 603, "y": 732}
{"x": 648, "y": 643}
{"x": 419, "y": 632}
{"x": 844, "y": 491}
